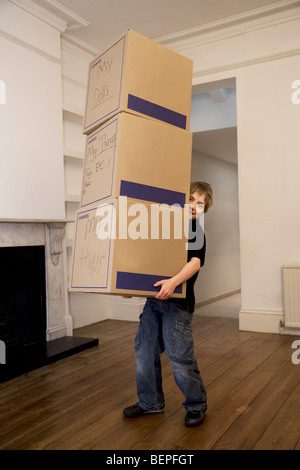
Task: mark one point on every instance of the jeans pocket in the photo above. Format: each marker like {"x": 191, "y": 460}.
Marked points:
{"x": 182, "y": 345}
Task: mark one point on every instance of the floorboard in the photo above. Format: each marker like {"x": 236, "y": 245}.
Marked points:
{"x": 76, "y": 402}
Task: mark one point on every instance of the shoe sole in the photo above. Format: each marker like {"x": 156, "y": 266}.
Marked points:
{"x": 153, "y": 412}
{"x": 144, "y": 413}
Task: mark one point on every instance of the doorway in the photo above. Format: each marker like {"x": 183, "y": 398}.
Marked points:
{"x": 215, "y": 160}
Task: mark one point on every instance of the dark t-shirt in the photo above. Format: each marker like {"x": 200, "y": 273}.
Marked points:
{"x": 197, "y": 249}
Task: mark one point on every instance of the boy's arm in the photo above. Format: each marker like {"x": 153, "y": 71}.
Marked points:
{"x": 169, "y": 285}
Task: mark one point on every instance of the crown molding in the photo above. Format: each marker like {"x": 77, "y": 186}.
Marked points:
{"x": 78, "y": 47}
{"x": 52, "y": 13}
{"x": 30, "y": 47}
{"x": 74, "y": 21}
{"x": 246, "y": 63}
{"x": 253, "y": 20}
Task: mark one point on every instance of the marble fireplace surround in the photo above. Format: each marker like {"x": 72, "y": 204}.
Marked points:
{"x": 49, "y": 233}
{"x": 60, "y": 341}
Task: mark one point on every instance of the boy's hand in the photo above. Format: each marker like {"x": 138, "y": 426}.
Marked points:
{"x": 167, "y": 288}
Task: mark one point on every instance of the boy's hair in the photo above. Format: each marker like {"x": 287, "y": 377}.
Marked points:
{"x": 201, "y": 187}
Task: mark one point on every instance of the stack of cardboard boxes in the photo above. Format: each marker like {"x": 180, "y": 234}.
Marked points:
{"x": 130, "y": 229}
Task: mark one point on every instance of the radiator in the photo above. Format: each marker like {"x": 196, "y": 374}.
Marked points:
{"x": 291, "y": 295}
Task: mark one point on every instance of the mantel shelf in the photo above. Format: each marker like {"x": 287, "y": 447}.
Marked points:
{"x": 72, "y": 113}
{"x": 73, "y": 156}
{"x": 72, "y": 198}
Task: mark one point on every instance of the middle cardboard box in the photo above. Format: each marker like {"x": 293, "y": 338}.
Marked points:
{"x": 124, "y": 246}
{"x": 135, "y": 157}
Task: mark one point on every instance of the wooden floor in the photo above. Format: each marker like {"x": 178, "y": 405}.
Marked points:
{"x": 76, "y": 403}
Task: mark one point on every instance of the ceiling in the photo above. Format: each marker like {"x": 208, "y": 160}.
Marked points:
{"x": 97, "y": 23}
{"x": 108, "y": 19}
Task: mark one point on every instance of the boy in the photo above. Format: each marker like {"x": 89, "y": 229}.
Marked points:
{"x": 165, "y": 324}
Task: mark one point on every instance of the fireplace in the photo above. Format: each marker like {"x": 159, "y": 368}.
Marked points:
{"x": 23, "y": 303}
{"x": 35, "y": 326}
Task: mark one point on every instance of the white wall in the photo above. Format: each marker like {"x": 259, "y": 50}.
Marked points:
{"x": 221, "y": 272}
{"x": 31, "y": 148}
{"x": 263, "y": 56}
{"x": 269, "y": 169}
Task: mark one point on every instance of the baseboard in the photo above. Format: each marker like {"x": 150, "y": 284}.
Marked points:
{"x": 218, "y": 297}
{"x": 110, "y": 307}
{"x": 285, "y": 330}
{"x": 263, "y": 321}
{"x": 126, "y": 309}
{"x": 89, "y": 313}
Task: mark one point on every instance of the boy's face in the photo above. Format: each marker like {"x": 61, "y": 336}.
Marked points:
{"x": 197, "y": 205}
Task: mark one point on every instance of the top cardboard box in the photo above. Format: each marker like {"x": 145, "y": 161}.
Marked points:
{"x": 138, "y": 75}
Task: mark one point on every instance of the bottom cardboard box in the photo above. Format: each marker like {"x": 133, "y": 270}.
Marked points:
{"x": 124, "y": 247}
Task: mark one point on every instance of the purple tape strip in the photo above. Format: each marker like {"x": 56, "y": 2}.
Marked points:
{"x": 158, "y": 112}
{"x": 144, "y": 282}
{"x": 151, "y": 193}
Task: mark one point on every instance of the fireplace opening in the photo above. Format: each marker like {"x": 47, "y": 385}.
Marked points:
{"x": 22, "y": 306}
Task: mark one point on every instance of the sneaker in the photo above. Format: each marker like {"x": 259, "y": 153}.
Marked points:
{"x": 135, "y": 410}
{"x": 195, "y": 417}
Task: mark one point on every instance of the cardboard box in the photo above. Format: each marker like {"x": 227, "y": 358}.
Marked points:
{"x": 122, "y": 247}
{"x": 138, "y": 158}
{"x": 138, "y": 75}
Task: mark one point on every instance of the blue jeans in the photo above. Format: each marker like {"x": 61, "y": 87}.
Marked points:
{"x": 165, "y": 326}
